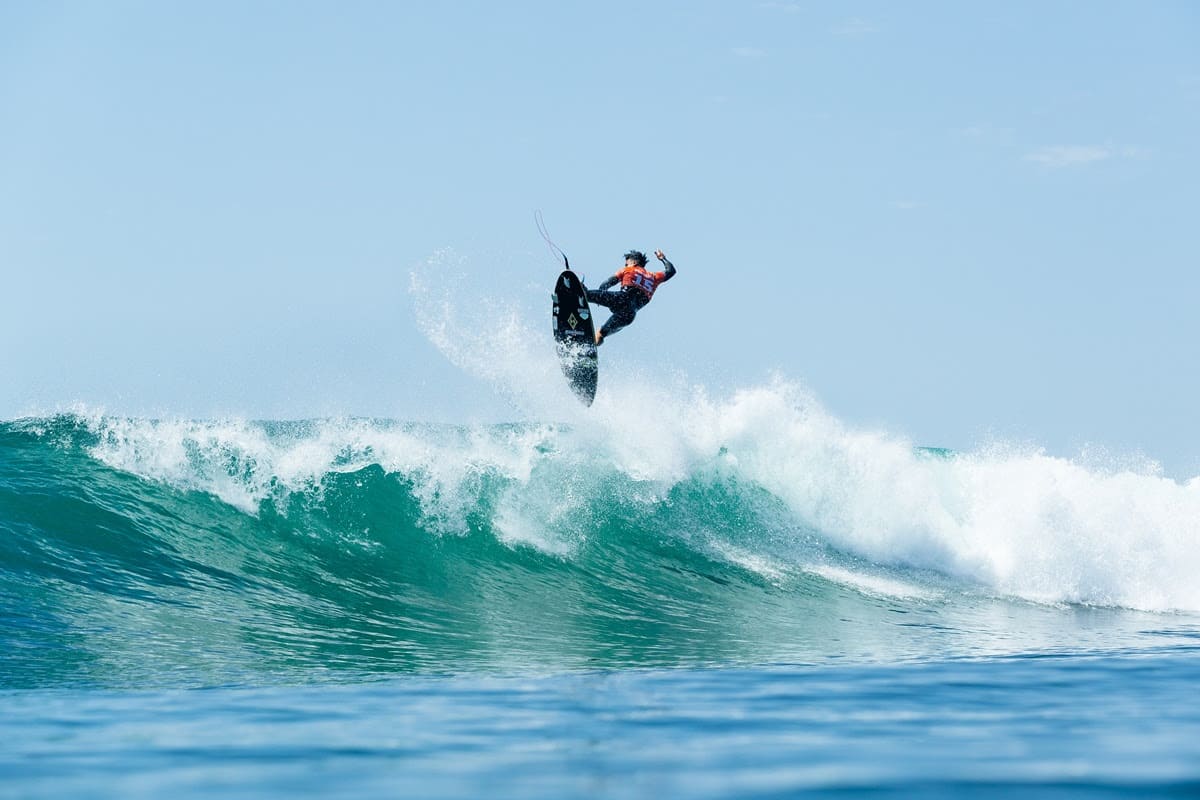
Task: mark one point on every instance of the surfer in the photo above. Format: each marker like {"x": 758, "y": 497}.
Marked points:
{"x": 637, "y": 288}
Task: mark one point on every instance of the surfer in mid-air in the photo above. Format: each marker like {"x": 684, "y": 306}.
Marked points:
{"x": 637, "y": 288}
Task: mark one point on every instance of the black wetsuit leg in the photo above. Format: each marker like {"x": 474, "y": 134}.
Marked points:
{"x": 624, "y": 306}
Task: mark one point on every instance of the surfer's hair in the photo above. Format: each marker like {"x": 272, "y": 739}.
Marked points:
{"x": 636, "y": 255}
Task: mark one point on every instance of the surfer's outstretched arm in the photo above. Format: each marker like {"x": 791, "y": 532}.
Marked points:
{"x": 669, "y": 272}
{"x": 608, "y": 284}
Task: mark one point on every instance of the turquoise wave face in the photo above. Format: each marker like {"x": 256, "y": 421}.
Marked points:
{"x": 187, "y": 553}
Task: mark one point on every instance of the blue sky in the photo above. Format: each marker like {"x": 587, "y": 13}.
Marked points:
{"x": 955, "y": 221}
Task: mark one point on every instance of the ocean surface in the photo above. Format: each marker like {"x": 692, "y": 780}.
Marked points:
{"x": 742, "y": 597}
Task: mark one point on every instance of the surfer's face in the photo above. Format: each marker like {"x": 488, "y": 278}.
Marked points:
{"x": 629, "y": 262}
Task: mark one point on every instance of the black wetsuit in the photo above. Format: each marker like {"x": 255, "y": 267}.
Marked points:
{"x": 625, "y": 303}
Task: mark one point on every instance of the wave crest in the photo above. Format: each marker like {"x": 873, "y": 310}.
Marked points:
{"x": 1009, "y": 522}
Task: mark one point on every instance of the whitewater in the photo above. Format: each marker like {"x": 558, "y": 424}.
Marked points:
{"x": 678, "y": 590}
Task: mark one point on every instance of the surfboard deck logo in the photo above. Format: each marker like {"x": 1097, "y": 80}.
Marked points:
{"x": 575, "y": 336}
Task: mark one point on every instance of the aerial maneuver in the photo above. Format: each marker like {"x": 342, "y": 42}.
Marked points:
{"x": 637, "y": 289}
{"x": 575, "y": 336}
{"x": 574, "y": 329}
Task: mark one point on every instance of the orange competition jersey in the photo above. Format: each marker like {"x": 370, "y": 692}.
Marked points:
{"x": 639, "y": 277}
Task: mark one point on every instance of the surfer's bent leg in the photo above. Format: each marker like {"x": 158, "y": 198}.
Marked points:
{"x": 622, "y": 315}
{"x": 600, "y": 298}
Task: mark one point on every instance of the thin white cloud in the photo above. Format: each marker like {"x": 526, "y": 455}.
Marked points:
{"x": 856, "y": 26}
{"x": 1134, "y": 152}
{"x": 788, "y": 8}
{"x": 983, "y": 132}
{"x": 1078, "y": 155}
{"x": 1069, "y": 155}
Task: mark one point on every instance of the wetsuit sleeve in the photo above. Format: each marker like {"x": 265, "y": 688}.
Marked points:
{"x": 668, "y": 273}
{"x": 608, "y": 284}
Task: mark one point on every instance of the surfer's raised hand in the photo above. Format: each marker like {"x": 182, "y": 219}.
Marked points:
{"x": 659, "y": 254}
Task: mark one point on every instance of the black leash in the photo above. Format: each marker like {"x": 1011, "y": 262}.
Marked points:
{"x": 537, "y": 217}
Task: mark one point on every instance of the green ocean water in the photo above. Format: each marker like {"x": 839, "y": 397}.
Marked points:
{"x": 194, "y": 606}
{"x": 145, "y": 554}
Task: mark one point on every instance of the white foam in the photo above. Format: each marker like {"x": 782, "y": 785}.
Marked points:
{"x": 874, "y": 584}
{"x": 765, "y": 567}
{"x": 243, "y": 464}
{"x": 229, "y": 459}
{"x": 1042, "y": 528}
